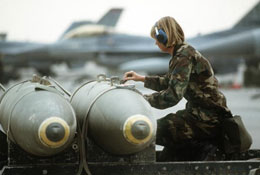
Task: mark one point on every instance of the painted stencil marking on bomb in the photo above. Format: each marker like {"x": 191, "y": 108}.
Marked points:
{"x": 32, "y": 118}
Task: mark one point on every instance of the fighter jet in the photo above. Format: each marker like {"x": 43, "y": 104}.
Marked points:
{"x": 81, "y": 42}
{"x": 242, "y": 42}
{"x": 99, "y": 42}
{"x": 14, "y": 55}
{"x": 224, "y": 49}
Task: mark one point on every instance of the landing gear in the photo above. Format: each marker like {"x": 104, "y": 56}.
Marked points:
{"x": 252, "y": 73}
{"x": 7, "y": 73}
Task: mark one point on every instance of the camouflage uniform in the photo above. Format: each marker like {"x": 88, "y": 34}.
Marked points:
{"x": 190, "y": 76}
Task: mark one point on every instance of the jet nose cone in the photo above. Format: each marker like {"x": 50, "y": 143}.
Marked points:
{"x": 55, "y": 132}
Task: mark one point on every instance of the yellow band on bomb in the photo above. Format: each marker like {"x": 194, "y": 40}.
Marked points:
{"x": 127, "y": 129}
{"x": 42, "y": 132}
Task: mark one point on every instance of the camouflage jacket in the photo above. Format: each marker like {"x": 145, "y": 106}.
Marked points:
{"x": 190, "y": 75}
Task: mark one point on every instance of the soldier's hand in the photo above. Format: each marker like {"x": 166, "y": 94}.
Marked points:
{"x": 131, "y": 75}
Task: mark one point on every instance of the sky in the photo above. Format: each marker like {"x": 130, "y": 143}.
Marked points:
{"x": 45, "y": 20}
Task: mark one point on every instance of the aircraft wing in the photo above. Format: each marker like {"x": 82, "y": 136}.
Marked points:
{"x": 242, "y": 44}
{"x": 153, "y": 65}
{"x": 15, "y": 48}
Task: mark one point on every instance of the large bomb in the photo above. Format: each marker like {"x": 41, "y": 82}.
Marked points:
{"x": 36, "y": 116}
{"x": 119, "y": 119}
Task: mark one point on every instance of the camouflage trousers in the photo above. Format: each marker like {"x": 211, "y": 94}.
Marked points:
{"x": 184, "y": 131}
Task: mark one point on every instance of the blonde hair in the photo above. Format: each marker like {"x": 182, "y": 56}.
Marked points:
{"x": 172, "y": 29}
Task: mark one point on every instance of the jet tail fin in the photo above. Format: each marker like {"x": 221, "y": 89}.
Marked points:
{"x": 111, "y": 17}
{"x": 251, "y": 18}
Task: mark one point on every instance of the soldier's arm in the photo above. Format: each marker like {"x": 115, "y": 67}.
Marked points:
{"x": 177, "y": 85}
{"x": 156, "y": 83}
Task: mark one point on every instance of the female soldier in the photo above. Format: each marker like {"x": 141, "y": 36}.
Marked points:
{"x": 190, "y": 75}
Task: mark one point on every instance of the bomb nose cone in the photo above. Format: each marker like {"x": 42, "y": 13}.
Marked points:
{"x": 138, "y": 129}
{"x": 54, "y": 132}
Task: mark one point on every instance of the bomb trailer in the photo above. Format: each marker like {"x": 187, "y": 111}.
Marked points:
{"x": 125, "y": 146}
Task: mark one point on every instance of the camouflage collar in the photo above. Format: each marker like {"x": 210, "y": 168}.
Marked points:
{"x": 176, "y": 47}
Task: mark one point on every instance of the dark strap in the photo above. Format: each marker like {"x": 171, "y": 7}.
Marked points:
{"x": 82, "y": 149}
{"x": 82, "y": 133}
